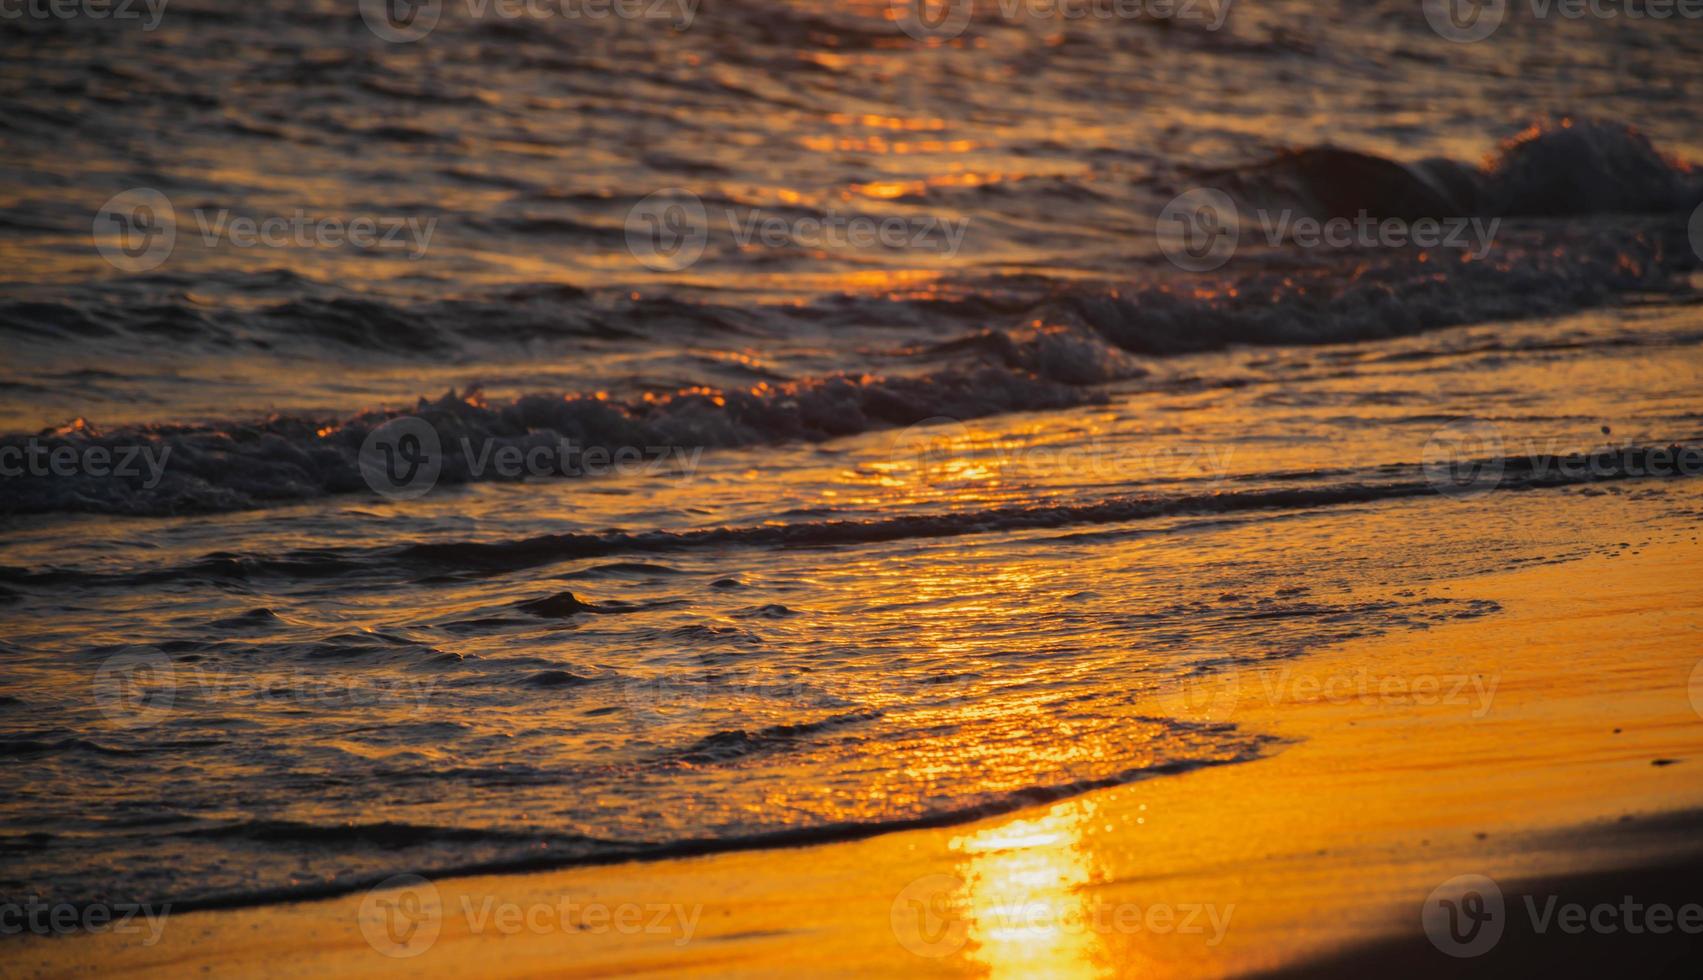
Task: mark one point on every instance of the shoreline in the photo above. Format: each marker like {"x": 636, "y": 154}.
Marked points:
{"x": 1280, "y": 863}
{"x": 1548, "y": 930}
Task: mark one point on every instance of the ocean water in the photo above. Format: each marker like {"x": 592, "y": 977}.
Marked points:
{"x": 846, "y": 536}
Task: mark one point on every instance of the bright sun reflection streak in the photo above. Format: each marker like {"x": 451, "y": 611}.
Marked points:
{"x": 1024, "y": 901}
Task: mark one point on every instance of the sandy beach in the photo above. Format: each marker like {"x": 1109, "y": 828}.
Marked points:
{"x": 1552, "y": 738}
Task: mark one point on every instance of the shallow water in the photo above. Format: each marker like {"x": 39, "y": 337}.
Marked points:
{"x": 909, "y": 535}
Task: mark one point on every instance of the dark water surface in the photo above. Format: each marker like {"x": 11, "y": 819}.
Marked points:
{"x": 898, "y": 532}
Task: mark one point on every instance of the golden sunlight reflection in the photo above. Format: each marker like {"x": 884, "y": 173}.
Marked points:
{"x": 1026, "y": 912}
{"x": 942, "y": 457}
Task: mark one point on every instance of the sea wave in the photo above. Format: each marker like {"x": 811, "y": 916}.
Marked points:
{"x": 1021, "y": 344}
{"x": 431, "y": 850}
{"x": 1555, "y": 168}
{"x": 1287, "y": 491}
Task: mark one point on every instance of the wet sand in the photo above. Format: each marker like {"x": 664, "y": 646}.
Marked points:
{"x": 1555, "y": 739}
{"x": 1537, "y": 945}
